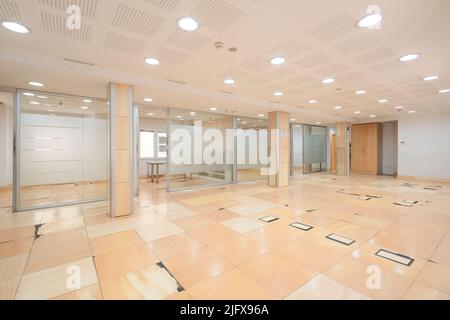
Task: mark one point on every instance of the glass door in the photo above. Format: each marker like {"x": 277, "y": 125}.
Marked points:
{"x": 314, "y": 149}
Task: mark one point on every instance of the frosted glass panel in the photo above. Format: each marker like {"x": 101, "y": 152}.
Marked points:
{"x": 314, "y": 149}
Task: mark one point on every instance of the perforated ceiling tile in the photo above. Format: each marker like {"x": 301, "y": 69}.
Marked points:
{"x": 234, "y": 74}
{"x": 216, "y": 14}
{"x": 188, "y": 40}
{"x": 256, "y": 81}
{"x": 357, "y": 43}
{"x": 88, "y": 7}
{"x": 256, "y": 64}
{"x": 9, "y": 11}
{"x": 302, "y": 79}
{"x": 392, "y": 65}
{"x": 289, "y": 49}
{"x": 376, "y": 55}
{"x": 277, "y": 87}
{"x": 137, "y": 21}
{"x": 167, "y": 5}
{"x": 350, "y": 76}
{"x": 333, "y": 69}
{"x": 281, "y": 73}
{"x": 314, "y": 60}
{"x": 124, "y": 43}
{"x": 57, "y": 25}
{"x": 334, "y": 27}
{"x": 168, "y": 56}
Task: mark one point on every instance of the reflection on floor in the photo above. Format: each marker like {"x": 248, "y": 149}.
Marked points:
{"x": 213, "y": 245}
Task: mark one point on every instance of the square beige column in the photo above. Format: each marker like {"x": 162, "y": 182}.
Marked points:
{"x": 121, "y": 156}
{"x": 279, "y": 148}
{"x": 343, "y": 149}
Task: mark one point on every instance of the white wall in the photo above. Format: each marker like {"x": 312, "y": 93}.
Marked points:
{"x": 150, "y": 124}
{"x": 424, "y": 148}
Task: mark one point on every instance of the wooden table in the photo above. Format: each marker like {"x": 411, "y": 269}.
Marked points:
{"x": 152, "y": 165}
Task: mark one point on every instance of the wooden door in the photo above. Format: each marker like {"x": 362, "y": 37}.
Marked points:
{"x": 366, "y": 148}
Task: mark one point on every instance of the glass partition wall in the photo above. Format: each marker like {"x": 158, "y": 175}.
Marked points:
{"x": 314, "y": 149}
{"x": 61, "y": 150}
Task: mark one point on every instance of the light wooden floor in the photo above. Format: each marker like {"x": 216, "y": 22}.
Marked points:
{"x": 210, "y": 244}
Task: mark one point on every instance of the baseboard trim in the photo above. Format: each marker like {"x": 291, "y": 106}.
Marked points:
{"x": 425, "y": 179}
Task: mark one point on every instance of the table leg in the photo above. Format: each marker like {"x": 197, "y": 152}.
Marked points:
{"x": 157, "y": 173}
{"x": 153, "y": 173}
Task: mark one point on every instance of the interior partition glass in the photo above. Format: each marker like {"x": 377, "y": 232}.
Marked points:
{"x": 296, "y": 149}
{"x": 250, "y": 142}
{"x": 200, "y": 154}
{"x": 314, "y": 149}
{"x": 61, "y": 150}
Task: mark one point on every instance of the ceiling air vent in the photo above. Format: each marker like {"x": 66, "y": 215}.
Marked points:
{"x": 177, "y": 82}
{"x": 79, "y": 62}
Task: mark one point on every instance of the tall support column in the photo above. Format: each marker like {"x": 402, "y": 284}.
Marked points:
{"x": 121, "y": 149}
{"x": 280, "y": 148}
{"x": 343, "y": 149}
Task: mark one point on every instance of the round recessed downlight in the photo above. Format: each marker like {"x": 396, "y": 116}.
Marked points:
{"x": 28, "y": 94}
{"x": 213, "y": 109}
{"x": 373, "y": 116}
{"x": 278, "y": 94}
{"x": 35, "y": 84}
{"x": 15, "y": 27}
{"x": 357, "y": 112}
{"x": 148, "y": 99}
{"x": 312, "y": 101}
{"x": 84, "y": 107}
{"x": 338, "y": 107}
{"x": 42, "y": 97}
{"x": 87, "y": 101}
{"x": 382, "y": 101}
{"x": 34, "y": 102}
{"x": 261, "y": 115}
{"x": 444, "y": 91}
{"x": 187, "y": 24}
{"x": 370, "y": 20}
{"x": 277, "y": 60}
{"x": 152, "y": 61}
{"x": 411, "y": 111}
{"x": 318, "y": 122}
{"x": 293, "y": 120}
{"x": 229, "y": 81}
{"x": 429, "y": 78}
{"x": 409, "y": 57}
{"x": 150, "y": 114}
{"x": 399, "y": 107}
{"x": 328, "y": 81}
{"x": 360, "y": 91}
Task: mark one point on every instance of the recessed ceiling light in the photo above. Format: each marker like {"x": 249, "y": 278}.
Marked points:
{"x": 229, "y": 81}
{"x": 278, "y": 94}
{"x": 293, "y": 119}
{"x": 87, "y": 101}
{"x": 187, "y": 24}
{"x": 213, "y": 109}
{"x": 152, "y": 61}
{"x": 399, "y": 107}
{"x": 179, "y": 117}
{"x": 35, "y": 84}
{"x": 383, "y": 101}
{"x": 244, "y": 122}
{"x": 34, "y": 102}
{"x": 52, "y": 114}
{"x": 42, "y": 97}
{"x": 328, "y": 81}
{"x": 370, "y": 20}
{"x": 312, "y": 101}
{"x": 338, "y": 107}
{"x": 84, "y": 107}
{"x": 193, "y": 113}
{"x": 150, "y": 114}
{"x": 50, "y": 110}
{"x": 357, "y": 112}
{"x": 15, "y": 27}
{"x": 28, "y": 94}
{"x": 411, "y": 111}
{"x": 318, "y": 122}
{"x": 360, "y": 91}
{"x": 444, "y": 91}
{"x": 261, "y": 115}
{"x": 372, "y": 116}
{"x": 429, "y": 78}
{"x": 277, "y": 60}
{"x": 148, "y": 99}
{"x": 409, "y": 57}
